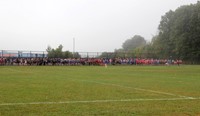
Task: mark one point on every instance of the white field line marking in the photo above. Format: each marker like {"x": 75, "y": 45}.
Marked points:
{"x": 139, "y": 89}
{"x": 97, "y": 101}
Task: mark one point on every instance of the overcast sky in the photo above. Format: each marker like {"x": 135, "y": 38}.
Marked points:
{"x": 96, "y": 25}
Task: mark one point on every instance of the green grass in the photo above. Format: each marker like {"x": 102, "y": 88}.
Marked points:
{"x": 82, "y": 86}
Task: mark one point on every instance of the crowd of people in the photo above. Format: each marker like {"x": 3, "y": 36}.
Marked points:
{"x": 86, "y": 61}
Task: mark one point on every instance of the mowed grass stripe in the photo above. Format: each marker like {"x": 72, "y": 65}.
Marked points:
{"x": 138, "y": 89}
{"x": 61, "y": 91}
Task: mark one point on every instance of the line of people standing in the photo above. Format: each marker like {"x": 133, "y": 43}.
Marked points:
{"x": 87, "y": 61}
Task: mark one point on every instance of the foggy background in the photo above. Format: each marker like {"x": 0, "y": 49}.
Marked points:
{"x": 96, "y": 25}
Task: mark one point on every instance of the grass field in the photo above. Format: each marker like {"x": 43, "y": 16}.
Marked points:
{"x": 96, "y": 90}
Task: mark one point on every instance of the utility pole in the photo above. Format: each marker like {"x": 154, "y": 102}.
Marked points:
{"x": 73, "y": 46}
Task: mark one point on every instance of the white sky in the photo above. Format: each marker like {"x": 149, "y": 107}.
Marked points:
{"x": 96, "y": 25}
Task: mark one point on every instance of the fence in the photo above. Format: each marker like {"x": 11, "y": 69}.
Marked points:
{"x": 22, "y": 54}
{"x": 43, "y": 54}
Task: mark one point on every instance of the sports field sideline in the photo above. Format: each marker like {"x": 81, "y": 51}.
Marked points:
{"x": 96, "y": 90}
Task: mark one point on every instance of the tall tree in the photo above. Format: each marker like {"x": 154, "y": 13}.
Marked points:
{"x": 134, "y": 42}
{"x": 179, "y": 33}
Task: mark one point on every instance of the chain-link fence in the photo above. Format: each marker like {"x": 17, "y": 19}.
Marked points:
{"x": 41, "y": 54}
{"x": 44, "y": 54}
{"x": 22, "y": 54}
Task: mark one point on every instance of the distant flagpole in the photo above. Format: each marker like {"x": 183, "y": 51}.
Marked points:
{"x": 73, "y": 46}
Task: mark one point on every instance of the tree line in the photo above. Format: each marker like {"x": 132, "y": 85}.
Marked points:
{"x": 178, "y": 38}
{"x": 59, "y": 53}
